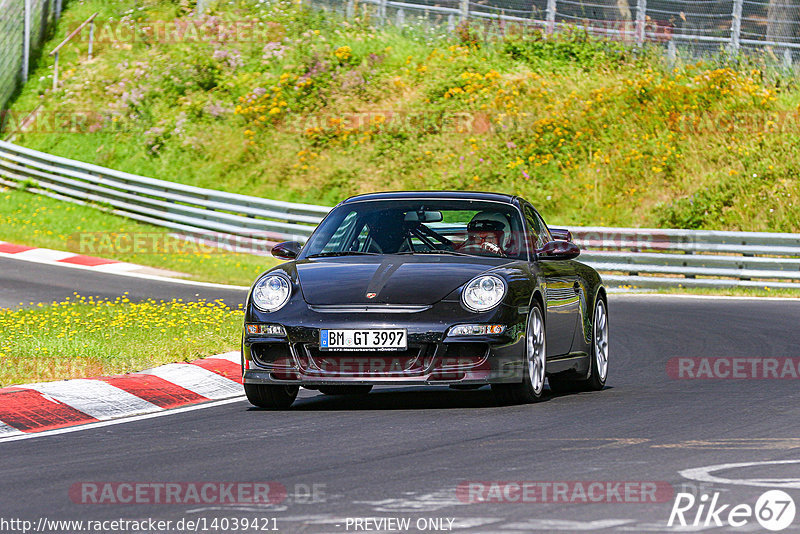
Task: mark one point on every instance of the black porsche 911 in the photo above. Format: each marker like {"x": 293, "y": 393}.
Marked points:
{"x": 426, "y": 288}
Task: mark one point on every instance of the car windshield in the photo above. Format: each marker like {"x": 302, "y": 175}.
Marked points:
{"x": 452, "y": 227}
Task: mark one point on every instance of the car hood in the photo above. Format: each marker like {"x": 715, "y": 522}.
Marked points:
{"x": 421, "y": 280}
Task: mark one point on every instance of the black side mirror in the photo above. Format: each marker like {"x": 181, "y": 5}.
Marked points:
{"x": 559, "y": 250}
{"x": 561, "y": 234}
{"x": 288, "y": 250}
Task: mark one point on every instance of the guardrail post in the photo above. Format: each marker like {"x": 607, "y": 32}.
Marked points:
{"x": 350, "y": 10}
{"x": 464, "y": 8}
{"x": 550, "y": 17}
{"x": 401, "y": 18}
{"x": 736, "y": 26}
{"x": 26, "y": 41}
{"x": 641, "y": 21}
{"x": 451, "y": 23}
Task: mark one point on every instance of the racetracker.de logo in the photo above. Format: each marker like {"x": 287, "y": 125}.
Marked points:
{"x": 733, "y": 368}
{"x": 565, "y": 492}
{"x": 177, "y": 493}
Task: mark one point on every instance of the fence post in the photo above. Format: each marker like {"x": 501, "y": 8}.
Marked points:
{"x": 451, "y": 23}
{"x": 641, "y": 21}
{"x": 672, "y": 53}
{"x": 91, "y": 38}
{"x": 550, "y": 17}
{"x": 382, "y": 11}
{"x": 401, "y": 18}
{"x": 26, "y": 41}
{"x": 464, "y": 10}
{"x": 55, "y": 73}
{"x": 350, "y": 10}
{"x": 736, "y": 26}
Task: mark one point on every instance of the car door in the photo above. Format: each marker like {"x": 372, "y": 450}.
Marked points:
{"x": 561, "y": 287}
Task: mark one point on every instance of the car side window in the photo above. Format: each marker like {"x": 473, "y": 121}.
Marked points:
{"x": 537, "y": 230}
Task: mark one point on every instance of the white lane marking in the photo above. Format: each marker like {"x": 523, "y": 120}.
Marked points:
{"x": 458, "y": 523}
{"x": 6, "y": 430}
{"x": 662, "y": 527}
{"x": 194, "y": 378}
{"x": 234, "y": 356}
{"x": 114, "y": 268}
{"x": 430, "y": 502}
{"x": 128, "y": 274}
{"x": 703, "y": 474}
{"x": 95, "y": 398}
{"x": 564, "y": 524}
{"x": 645, "y": 296}
{"x": 120, "y": 421}
{"x": 43, "y": 254}
{"x": 241, "y": 508}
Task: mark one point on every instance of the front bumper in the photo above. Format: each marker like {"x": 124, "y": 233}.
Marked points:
{"x": 432, "y": 357}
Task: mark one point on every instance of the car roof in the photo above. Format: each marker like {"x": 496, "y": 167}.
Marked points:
{"x": 408, "y": 195}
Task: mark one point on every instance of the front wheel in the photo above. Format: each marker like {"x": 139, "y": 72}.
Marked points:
{"x": 532, "y": 385}
{"x": 271, "y": 397}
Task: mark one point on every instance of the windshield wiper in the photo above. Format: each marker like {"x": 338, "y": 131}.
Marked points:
{"x": 434, "y": 251}
{"x": 342, "y": 253}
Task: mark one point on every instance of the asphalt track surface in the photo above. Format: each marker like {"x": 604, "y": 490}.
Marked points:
{"x": 402, "y": 452}
{"x": 25, "y": 282}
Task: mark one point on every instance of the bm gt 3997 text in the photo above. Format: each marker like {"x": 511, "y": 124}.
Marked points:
{"x": 455, "y": 288}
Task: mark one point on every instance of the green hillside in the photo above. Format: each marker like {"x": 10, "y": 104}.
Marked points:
{"x": 314, "y": 108}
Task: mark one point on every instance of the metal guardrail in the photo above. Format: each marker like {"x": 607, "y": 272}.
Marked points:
{"x": 642, "y": 258}
{"x": 652, "y": 258}
{"x": 186, "y": 209}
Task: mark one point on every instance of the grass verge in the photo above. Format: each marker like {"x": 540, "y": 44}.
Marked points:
{"x": 318, "y": 108}
{"x": 40, "y": 221}
{"x": 82, "y": 337}
{"x": 733, "y": 292}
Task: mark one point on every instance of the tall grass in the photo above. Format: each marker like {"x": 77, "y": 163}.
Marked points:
{"x": 591, "y": 131}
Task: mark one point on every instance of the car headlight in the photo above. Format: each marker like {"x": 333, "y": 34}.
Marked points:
{"x": 483, "y": 293}
{"x": 271, "y": 292}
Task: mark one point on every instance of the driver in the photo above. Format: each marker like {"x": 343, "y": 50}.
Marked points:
{"x": 487, "y": 232}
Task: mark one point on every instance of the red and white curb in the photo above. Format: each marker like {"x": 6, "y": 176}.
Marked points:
{"x": 46, "y": 255}
{"x": 99, "y": 265}
{"x": 32, "y": 408}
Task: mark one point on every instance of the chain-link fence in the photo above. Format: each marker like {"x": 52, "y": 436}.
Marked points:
{"x": 696, "y": 26}
{"x": 23, "y": 29}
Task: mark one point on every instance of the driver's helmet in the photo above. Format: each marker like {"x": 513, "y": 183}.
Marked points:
{"x": 488, "y": 226}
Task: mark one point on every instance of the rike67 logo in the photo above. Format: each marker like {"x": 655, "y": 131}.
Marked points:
{"x": 774, "y": 510}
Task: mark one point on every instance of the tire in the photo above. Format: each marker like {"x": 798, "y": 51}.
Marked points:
{"x": 598, "y": 366}
{"x": 531, "y": 388}
{"x": 345, "y": 390}
{"x": 271, "y": 397}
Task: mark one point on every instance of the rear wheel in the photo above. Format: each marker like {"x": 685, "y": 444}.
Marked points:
{"x": 599, "y": 357}
{"x": 532, "y": 385}
{"x": 271, "y": 397}
{"x": 345, "y": 390}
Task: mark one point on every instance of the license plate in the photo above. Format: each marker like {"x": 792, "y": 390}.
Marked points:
{"x": 383, "y": 339}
